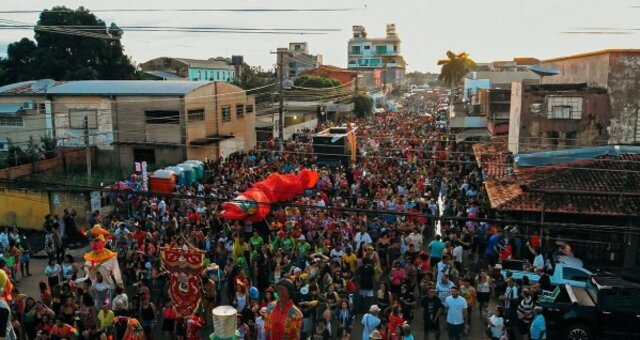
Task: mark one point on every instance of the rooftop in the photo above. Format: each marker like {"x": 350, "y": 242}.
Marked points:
{"x": 593, "y": 53}
{"x": 27, "y": 87}
{"x": 607, "y": 185}
{"x": 493, "y": 158}
{"x": 127, "y": 87}
{"x": 214, "y": 63}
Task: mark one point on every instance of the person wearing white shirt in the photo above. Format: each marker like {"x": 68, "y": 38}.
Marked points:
{"x": 457, "y": 255}
{"x": 416, "y": 238}
{"x": 456, "y": 314}
{"x": 362, "y": 237}
{"x": 443, "y": 267}
{"x": 336, "y": 253}
{"x": 496, "y": 324}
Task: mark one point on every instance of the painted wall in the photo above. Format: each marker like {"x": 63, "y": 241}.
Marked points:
{"x": 33, "y": 121}
{"x": 101, "y": 134}
{"x": 28, "y": 208}
{"x": 209, "y": 74}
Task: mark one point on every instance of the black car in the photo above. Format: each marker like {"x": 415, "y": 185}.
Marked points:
{"x": 609, "y": 307}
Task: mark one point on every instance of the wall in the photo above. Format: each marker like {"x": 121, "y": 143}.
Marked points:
{"x": 536, "y": 132}
{"x": 593, "y": 69}
{"x": 211, "y": 74}
{"x": 102, "y": 135}
{"x": 28, "y": 208}
{"x": 69, "y": 158}
{"x": 244, "y": 127}
{"x": 514, "y": 117}
{"x": 619, "y": 73}
{"x": 166, "y": 64}
{"x": 34, "y": 123}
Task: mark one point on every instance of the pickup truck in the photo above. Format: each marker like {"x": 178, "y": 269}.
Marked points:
{"x": 567, "y": 270}
{"x": 608, "y": 307}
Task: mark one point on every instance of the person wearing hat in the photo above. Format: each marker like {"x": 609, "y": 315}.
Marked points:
{"x": 102, "y": 260}
{"x": 370, "y": 321}
{"x": 538, "y": 329}
{"x": 282, "y": 319}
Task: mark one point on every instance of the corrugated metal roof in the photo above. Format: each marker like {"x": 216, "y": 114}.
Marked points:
{"x": 10, "y": 109}
{"x": 127, "y": 87}
{"x": 211, "y": 63}
{"x": 165, "y": 75}
{"x": 11, "y": 87}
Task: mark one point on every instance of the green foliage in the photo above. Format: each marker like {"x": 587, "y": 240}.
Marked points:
{"x": 15, "y": 156}
{"x": 253, "y": 77}
{"x": 32, "y": 153}
{"x": 455, "y": 67}
{"x": 48, "y": 147}
{"x": 362, "y": 105}
{"x": 67, "y": 57}
{"x": 316, "y": 82}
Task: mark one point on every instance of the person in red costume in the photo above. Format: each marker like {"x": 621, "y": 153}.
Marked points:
{"x": 253, "y": 204}
{"x": 282, "y": 319}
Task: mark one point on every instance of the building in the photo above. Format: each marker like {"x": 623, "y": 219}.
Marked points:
{"x": 24, "y": 113}
{"x": 495, "y": 104}
{"x": 587, "y": 197}
{"x": 378, "y": 59}
{"x": 344, "y": 76}
{"x": 297, "y": 59}
{"x": 615, "y": 70}
{"x": 557, "y": 116}
{"x": 498, "y": 75}
{"x": 160, "y": 122}
{"x": 167, "y": 68}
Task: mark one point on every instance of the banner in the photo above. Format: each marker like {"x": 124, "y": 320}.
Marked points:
{"x": 185, "y": 265}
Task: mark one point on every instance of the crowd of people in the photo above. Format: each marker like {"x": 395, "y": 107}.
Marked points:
{"x": 369, "y": 246}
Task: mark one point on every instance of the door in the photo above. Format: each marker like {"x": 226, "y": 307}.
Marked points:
{"x": 144, "y": 155}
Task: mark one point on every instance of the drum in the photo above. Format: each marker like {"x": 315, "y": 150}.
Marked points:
{"x": 224, "y": 322}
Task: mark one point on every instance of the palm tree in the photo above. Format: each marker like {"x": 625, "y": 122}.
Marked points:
{"x": 454, "y": 68}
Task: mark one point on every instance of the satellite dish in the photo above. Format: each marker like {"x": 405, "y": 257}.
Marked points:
{"x": 543, "y": 71}
{"x": 42, "y": 85}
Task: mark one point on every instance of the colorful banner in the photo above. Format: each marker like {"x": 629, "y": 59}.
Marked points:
{"x": 185, "y": 265}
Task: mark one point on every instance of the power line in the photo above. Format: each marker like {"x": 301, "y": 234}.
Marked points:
{"x": 147, "y": 10}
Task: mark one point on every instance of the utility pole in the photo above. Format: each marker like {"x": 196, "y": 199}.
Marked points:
{"x": 87, "y": 148}
{"x": 281, "y": 52}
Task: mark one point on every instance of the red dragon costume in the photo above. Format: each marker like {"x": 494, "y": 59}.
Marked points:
{"x": 253, "y": 205}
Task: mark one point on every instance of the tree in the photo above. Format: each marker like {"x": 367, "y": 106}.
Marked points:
{"x": 48, "y": 146}
{"x": 455, "y": 67}
{"x": 362, "y": 105}
{"x": 254, "y": 77}
{"x": 15, "y": 156}
{"x": 68, "y": 57}
{"x": 316, "y": 82}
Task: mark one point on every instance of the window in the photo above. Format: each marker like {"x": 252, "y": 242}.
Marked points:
{"x": 395, "y": 48}
{"x": 217, "y": 75}
{"x": 367, "y": 47}
{"x": 296, "y": 47}
{"x": 381, "y": 49}
{"x": 4, "y": 145}
{"x": 76, "y": 119}
{"x": 574, "y": 274}
{"x": 240, "y": 110}
{"x": 355, "y": 50}
{"x": 564, "y": 107}
{"x": 226, "y": 113}
{"x": 196, "y": 115}
{"x": 11, "y": 121}
{"x": 42, "y": 107}
{"x": 162, "y": 117}
{"x": 249, "y": 109}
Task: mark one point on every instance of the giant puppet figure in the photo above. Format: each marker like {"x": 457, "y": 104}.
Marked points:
{"x": 101, "y": 260}
{"x": 253, "y": 204}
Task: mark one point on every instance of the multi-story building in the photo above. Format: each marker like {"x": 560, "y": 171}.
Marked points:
{"x": 297, "y": 59}
{"x": 160, "y": 122}
{"x": 615, "y": 70}
{"x": 378, "y": 59}
{"x": 167, "y": 68}
{"x": 24, "y": 113}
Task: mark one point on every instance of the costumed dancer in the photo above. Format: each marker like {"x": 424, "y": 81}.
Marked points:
{"x": 101, "y": 260}
{"x": 6, "y": 327}
{"x": 134, "y": 330}
{"x": 282, "y": 319}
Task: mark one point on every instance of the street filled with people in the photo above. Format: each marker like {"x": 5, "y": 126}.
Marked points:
{"x": 397, "y": 243}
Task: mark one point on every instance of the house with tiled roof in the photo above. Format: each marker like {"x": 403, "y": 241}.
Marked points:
{"x": 594, "y": 186}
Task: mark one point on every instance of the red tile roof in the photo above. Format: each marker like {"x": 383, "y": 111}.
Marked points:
{"x": 493, "y": 158}
{"x": 606, "y": 186}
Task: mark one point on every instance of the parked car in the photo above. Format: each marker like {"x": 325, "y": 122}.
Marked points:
{"x": 607, "y": 307}
{"x": 567, "y": 270}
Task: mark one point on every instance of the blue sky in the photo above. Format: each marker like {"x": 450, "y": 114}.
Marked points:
{"x": 487, "y": 29}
